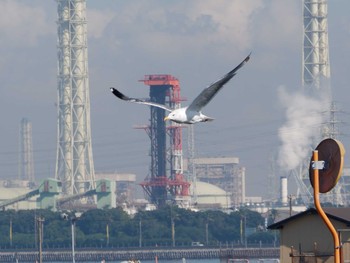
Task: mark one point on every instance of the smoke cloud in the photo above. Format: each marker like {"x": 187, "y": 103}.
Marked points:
{"x": 304, "y": 117}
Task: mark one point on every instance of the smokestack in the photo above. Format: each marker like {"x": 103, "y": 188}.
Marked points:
{"x": 284, "y": 190}
{"x": 74, "y": 163}
{"x": 26, "y": 163}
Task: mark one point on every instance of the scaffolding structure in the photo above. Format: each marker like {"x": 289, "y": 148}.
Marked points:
{"x": 74, "y": 166}
{"x": 316, "y": 68}
{"x": 166, "y": 181}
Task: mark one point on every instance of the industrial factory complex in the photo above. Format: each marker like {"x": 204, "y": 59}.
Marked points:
{"x": 175, "y": 176}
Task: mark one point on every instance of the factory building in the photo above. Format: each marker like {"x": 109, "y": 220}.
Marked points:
{"x": 222, "y": 172}
{"x": 10, "y": 189}
{"x": 125, "y": 186}
{"x": 112, "y": 190}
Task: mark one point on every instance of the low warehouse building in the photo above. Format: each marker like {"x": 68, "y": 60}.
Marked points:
{"x": 304, "y": 237}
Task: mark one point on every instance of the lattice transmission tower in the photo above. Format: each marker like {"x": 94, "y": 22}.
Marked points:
{"x": 74, "y": 166}
{"x": 315, "y": 76}
{"x": 316, "y": 80}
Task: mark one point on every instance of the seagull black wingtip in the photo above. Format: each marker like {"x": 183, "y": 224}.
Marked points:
{"x": 248, "y": 57}
{"x": 118, "y": 94}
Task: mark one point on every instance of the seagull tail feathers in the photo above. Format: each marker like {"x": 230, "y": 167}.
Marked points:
{"x": 208, "y": 119}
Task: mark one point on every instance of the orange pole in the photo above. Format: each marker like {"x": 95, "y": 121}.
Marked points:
{"x": 323, "y": 214}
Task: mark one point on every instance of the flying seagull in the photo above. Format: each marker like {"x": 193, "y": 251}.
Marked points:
{"x": 192, "y": 113}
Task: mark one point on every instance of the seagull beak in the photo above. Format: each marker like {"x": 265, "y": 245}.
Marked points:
{"x": 166, "y": 118}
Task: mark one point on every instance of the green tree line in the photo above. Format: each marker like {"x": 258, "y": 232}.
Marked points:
{"x": 115, "y": 228}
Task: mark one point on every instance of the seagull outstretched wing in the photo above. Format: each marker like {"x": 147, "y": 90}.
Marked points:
{"x": 208, "y": 93}
{"x": 121, "y": 96}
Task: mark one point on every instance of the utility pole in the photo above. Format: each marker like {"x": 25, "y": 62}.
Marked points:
{"x": 11, "y": 232}
{"x": 72, "y": 219}
{"x": 140, "y": 230}
{"x": 73, "y": 238}
{"x": 107, "y": 234}
{"x": 40, "y": 221}
{"x": 173, "y": 231}
{"x": 172, "y": 221}
{"x": 206, "y": 233}
{"x": 290, "y": 204}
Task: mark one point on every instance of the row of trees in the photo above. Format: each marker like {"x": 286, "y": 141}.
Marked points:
{"x": 115, "y": 228}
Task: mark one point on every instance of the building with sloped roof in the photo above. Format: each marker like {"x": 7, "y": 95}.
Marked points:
{"x": 304, "y": 237}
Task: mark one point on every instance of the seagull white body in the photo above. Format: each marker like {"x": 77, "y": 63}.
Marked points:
{"x": 183, "y": 115}
{"x": 192, "y": 113}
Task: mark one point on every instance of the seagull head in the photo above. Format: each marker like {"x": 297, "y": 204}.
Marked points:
{"x": 171, "y": 116}
{"x": 178, "y": 115}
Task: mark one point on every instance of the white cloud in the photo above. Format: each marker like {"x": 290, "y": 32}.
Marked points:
{"x": 278, "y": 28}
{"x": 184, "y": 25}
{"x": 22, "y": 25}
{"x": 225, "y": 28}
{"x": 233, "y": 20}
{"x": 98, "y": 21}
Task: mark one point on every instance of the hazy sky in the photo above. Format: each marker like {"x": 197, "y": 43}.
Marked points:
{"x": 196, "y": 41}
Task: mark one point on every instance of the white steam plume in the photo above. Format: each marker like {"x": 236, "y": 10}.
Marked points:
{"x": 305, "y": 115}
